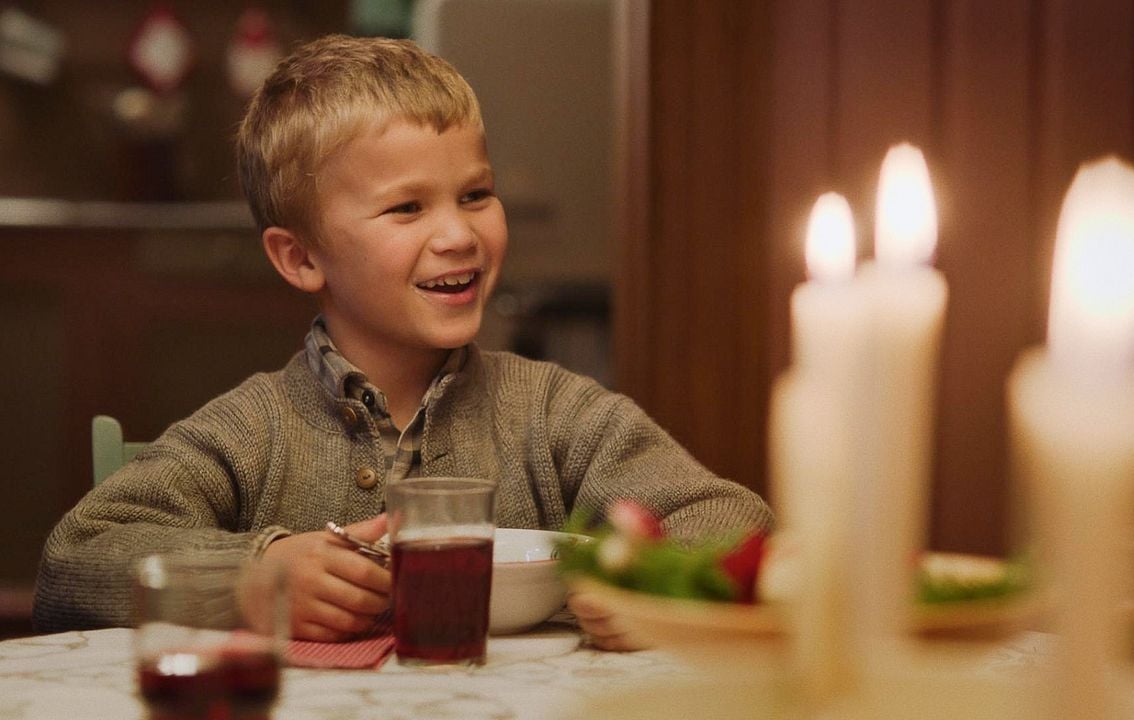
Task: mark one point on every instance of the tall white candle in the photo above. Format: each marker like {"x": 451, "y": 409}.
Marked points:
{"x": 1072, "y": 417}
{"x": 811, "y": 446}
{"x": 908, "y": 299}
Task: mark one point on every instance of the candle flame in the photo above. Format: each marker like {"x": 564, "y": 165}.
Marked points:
{"x": 905, "y": 231}
{"x": 830, "y": 249}
{"x": 1091, "y": 319}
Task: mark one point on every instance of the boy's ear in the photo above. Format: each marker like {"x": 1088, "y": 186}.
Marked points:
{"x": 292, "y": 260}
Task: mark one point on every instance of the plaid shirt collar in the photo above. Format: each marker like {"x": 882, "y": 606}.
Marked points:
{"x": 401, "y": 448}
{"x": 342, "y": 379}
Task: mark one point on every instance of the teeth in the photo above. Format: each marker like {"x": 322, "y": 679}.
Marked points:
{"x": 452, "y": 280}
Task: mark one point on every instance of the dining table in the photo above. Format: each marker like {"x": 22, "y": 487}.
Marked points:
{"x": 549, "y": 672}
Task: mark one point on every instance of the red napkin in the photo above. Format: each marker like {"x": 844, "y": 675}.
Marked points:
{"x": 368, "y": 652}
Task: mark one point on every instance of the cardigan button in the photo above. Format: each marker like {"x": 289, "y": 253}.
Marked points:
{"x": 349, "y": 416}
{"x": 365, "y": 478}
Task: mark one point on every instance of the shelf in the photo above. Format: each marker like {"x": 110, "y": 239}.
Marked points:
{"x": 98, "y": 214}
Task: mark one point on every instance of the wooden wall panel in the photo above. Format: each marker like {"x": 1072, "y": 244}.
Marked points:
{"x": 695, "y": 272}
{"x": 670, "y": 228}
{"x": 884, "y": 92}
{"x": 633, "y": 187}
{"x": 985, "y": 130}
{"x": 801, "y": 158}
{"x": 1005, "y": 98}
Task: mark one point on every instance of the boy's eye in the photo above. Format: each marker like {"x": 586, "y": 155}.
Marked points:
{"x": 477, "y": 195}
{"x": 406, "y": 208}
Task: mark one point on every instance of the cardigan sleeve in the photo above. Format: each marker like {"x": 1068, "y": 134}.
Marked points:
{"x": 611, "y": 449}
{"x": 182, "y": 493}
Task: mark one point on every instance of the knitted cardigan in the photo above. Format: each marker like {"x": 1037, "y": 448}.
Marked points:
{"x": 279, "y": 454}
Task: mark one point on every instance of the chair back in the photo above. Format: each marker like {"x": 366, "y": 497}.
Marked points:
{"x": 108, "y": 450}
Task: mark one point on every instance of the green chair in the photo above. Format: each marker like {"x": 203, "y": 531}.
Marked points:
{"x": 109, "y": 451}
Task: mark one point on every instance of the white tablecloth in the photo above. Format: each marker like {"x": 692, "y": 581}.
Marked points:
{"x": 542, "y": 674}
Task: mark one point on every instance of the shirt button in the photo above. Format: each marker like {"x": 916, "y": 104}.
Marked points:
{"x": 366, "y": 478}
{"x": 349, "y": 416}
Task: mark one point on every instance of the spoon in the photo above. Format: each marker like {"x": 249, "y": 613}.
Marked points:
{"x": 379, "y": 551}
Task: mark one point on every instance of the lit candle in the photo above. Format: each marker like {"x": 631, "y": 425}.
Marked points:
{"x": 811, "y": 444}
{"x": 1072, "y": 418}
{"x": 826, "y": 309}
{"x": 908, "y": 299}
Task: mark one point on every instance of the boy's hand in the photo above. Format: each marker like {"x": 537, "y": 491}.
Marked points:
{"x": 601, "y": 626}
{"x": 336, "y": 592}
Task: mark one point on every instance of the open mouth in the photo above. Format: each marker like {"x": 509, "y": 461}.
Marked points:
{"x": 450, "y": 284}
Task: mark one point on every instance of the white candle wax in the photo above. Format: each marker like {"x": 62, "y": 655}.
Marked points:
{"x": 1072, "y": 418}
{"x": 908, "y": 300}
{"x": 811, "y": 448}
{"x": 811, "y": 470}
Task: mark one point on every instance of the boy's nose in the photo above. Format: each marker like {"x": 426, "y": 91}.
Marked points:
{"x": 452, "y": 233}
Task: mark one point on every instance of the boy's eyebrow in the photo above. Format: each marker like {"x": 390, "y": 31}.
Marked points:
{"x": 485, "y": 174}
{"x": 482, "y": 174}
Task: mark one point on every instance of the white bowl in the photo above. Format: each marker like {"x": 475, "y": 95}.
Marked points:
{"x": 526, "y": 587}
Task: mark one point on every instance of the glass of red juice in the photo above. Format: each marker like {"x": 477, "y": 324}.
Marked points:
{"x": 210, "y": 636}
{"x": 441, "y": 531}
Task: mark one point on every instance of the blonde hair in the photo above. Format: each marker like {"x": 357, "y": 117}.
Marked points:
{"x": 318, "y": 99}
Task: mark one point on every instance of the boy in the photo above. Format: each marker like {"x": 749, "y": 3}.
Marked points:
{"x": 365, "y": 166}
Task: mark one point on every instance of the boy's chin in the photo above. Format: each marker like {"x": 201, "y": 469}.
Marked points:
{"x": 452, "y": 341}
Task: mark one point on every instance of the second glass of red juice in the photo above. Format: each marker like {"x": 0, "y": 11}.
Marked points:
{"x": 210, "y": 636}
{"x": 441, "y": 530}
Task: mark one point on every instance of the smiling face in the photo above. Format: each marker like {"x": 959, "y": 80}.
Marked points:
{"x": 413, "y": 237}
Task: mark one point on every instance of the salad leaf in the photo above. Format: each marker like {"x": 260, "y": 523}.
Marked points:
{"x": 626, "y": 555}
{"x": 630, "y": 551}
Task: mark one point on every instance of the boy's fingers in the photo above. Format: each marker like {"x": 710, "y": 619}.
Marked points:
{"x": 359, "y": 570}
{"x": 601, "y": 626}
{"x": 587, "y": 606}
{"x": 354, "y": 598}
{"x": 607, "y": 635}
{"x": 615, "y": 643}
{"x": 303, "y": 630}
{"x": 370, "y": 530}
{"x": 328, "y": 622}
